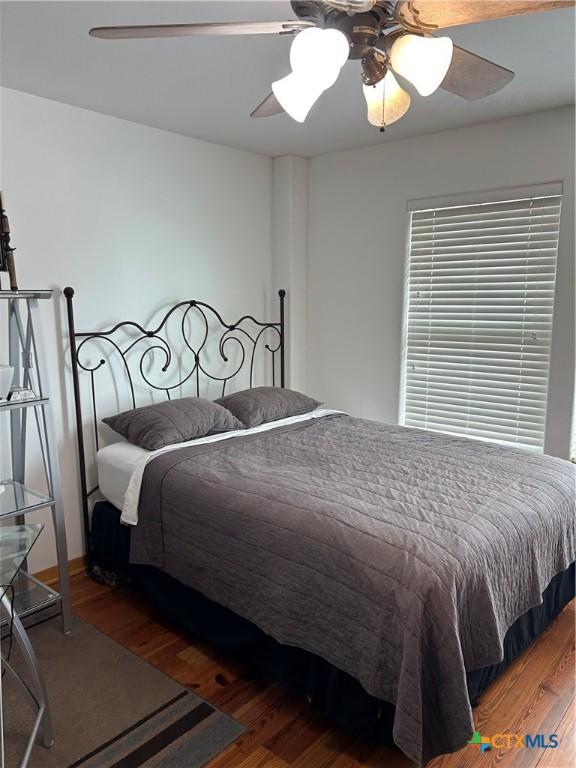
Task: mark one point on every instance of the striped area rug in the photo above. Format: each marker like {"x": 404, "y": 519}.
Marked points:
{"x": 111, "y": 709}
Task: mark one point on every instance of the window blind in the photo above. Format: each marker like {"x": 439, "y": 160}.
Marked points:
{"x": 480, "y": 300}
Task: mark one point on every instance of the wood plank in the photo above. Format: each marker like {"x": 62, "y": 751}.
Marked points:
{"x": 262, "y": 758}
{"x": 297, "y": 736}
{"x": 85, "y": 590}
{"x": 49, "y": 576}
{"x": 360, "y": 755}
{"x": 565, "y": 754}
{"x": 265, "y": 715}
{"x": 236, "y": 694}
{"x": 323, "y": 751}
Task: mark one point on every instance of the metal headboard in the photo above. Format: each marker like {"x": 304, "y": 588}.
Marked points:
{"x": 247, "y": 337}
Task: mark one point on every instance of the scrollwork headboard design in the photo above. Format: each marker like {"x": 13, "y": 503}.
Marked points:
{"x": 151, "y": 362}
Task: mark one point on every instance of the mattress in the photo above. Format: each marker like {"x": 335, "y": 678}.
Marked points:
{"x": 116, "y": 465}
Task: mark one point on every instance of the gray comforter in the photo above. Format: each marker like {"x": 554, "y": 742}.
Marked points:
{"x": 400, "y": 556}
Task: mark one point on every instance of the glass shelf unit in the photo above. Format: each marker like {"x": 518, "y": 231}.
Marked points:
{"x": 26, "y": 354}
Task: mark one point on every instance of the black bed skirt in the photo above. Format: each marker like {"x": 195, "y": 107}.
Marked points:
{"x": 340, "y": 696}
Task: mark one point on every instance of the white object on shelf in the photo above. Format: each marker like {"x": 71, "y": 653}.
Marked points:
{"x": 18, "y": 394}
{"x": 6, "y": 376}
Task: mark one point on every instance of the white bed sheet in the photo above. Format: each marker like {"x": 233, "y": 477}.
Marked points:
{"x": 116, "y": 464}
{"x": 121, "y": 465}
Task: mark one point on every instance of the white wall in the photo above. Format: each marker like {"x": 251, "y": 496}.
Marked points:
{"x": 357, "y": 225}
{"x": 132, "y": 218}
{"x": 289, "y": 257}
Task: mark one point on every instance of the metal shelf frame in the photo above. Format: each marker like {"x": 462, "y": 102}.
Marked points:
{"x": 27, "y": 356}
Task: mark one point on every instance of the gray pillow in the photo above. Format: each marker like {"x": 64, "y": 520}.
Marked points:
{"x": 172, "y": 421}
{"x": 263, "y": 404}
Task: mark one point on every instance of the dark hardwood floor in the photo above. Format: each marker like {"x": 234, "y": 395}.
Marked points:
{"x": 535, "y": 695}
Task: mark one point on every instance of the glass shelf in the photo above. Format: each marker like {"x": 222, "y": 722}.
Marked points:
{"x": 31, "y": 597}
{"x": 42, "y": 293}
{"x": 32, "y": 601}
{"x": 16, "y": 541}
{"x": 9, "y": 405}
{"x": 17, "y": 499}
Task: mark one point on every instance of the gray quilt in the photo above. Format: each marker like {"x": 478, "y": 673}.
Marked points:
{"x": 400, "y": 556}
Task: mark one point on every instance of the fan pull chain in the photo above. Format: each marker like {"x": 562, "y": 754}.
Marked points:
{"x": 383, "y": 126}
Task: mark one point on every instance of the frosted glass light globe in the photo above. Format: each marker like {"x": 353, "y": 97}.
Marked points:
{"x": 297, "y": 95}
{"x": 387, "y": 101}
{"x": 303, "y": 49}
{"x": 335, "y": 49}
{"x": 423, "y": 61}
{"x": 316, "y": 56}
{"x": 316, "y": 52}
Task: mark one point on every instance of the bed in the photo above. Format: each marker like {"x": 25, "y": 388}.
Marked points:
{"x": 393, "y": 572}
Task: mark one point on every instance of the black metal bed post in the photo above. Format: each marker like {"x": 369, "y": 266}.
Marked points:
{"x": 282, "y": 295}
{"x": 69, "y": 294}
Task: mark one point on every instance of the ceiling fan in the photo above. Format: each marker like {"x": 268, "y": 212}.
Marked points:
{"x": 388, "y": 37}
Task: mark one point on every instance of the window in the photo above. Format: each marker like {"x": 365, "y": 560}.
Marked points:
{"x": 480, "y": 299}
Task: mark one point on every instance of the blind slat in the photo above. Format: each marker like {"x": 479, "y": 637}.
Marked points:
{"x": 480, "y": 301}
{"x": 533, "y": 224}
{"x": 455, "y": 396}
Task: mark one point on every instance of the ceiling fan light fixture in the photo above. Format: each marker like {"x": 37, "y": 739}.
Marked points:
{"x": 297, "y": 95}
{"x": 387, "y": 101}
{"x": 423, "y": 61}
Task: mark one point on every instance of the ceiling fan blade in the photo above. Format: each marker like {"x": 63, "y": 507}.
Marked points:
{"x": 473, "y": 77}
{"x": 270, "y": 106}
{"x": 212, "y": 28}
{"x": 437, "y": 14}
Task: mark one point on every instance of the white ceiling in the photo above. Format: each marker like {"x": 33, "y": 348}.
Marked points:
{"x": 207, "y": 87}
